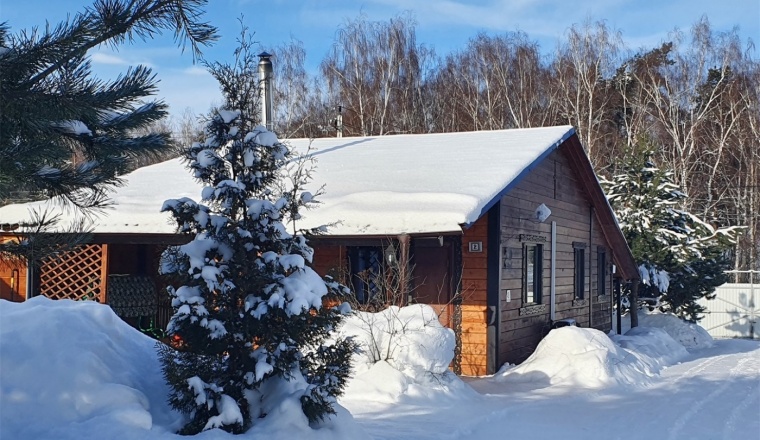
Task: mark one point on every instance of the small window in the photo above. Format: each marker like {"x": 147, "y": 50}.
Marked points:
{"x": 579, "y": 251}
{"x": 601, "y": 272}
{"x": 365, "y": 263}
{"x": 533, "y": 255}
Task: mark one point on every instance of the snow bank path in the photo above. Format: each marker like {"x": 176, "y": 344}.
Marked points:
{"x": 713, "y": 394}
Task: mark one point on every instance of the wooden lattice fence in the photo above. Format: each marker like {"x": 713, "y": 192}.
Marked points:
{"x": 79, "y": 274}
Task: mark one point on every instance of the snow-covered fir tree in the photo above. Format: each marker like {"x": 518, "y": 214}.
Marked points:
{"x": 680, "y": 257}
{"x": 254, "y": 319}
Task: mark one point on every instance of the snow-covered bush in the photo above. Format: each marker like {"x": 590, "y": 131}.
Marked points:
{"x": 410, "y": 339}
{"x": 402, "y": 352}
{"x": 248, "y": 307}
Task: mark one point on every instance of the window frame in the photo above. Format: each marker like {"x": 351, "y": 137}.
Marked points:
{"x": 536, "y": 281}
{"x": 579, "y": 270}
{"x": 601, "y": 271}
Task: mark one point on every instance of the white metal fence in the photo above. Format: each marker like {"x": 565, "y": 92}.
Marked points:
{"x": 734, "y": 312}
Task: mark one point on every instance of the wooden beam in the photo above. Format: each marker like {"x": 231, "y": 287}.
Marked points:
{"x": 404, "y": 282}
{"x": 103, "y": 298}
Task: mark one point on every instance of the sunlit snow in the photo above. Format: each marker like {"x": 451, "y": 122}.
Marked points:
{"x": 74, "y": 371}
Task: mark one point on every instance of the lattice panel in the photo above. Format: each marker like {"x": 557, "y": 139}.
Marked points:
{"x": 74, "y": 275}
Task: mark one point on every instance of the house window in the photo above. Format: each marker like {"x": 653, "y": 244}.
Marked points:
{"x": 579, "y": 252}
{"x": 365, "y": 264}
{"x": 601, "y": 272}
{"x": 533, "y": 255}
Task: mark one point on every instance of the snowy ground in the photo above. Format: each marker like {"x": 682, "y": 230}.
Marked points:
{"x": 712, "y": 394}
{"x": 73, "y": 370}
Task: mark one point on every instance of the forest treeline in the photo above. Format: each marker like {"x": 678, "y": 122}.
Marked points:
{"x": 694, "y": 99}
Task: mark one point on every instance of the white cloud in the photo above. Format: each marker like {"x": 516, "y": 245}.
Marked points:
{"x": 145, "y": 54}
{"x": 196, "y": 71}
{"x": 108, "y": 58}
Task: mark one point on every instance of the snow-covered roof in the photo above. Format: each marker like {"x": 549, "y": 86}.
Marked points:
{"x": 382, "y": 185}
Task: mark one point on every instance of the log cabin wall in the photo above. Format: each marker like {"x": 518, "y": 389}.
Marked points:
{"x": 474, "y": 357}
{"x": 330, "y": 259}
{"x": 524, "y": 323}
{"x": 438, "y": 270}
{"x": 12, "y": 279}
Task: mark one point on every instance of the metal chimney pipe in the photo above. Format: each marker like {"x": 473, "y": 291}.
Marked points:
{"x": 265, "y": 88}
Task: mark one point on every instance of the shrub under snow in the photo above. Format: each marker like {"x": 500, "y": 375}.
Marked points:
{"x": 411, "y": 339}
{"x": 402, "y": 351}
{"x": 573, "y": 356}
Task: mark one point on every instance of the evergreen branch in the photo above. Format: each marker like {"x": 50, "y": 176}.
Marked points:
{"x": 112, "y": 20}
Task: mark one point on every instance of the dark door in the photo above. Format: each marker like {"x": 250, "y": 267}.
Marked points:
{"x": 432, "y": 277}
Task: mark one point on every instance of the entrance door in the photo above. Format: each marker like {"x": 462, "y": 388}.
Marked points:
{"x": 432, "y": 277}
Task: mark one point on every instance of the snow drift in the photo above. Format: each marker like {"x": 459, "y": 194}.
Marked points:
{"x": 588, "y": 358}
{"x": 691, "y": 336}
{"x": 75, "y": 370}
{"x": 65, "y": 362}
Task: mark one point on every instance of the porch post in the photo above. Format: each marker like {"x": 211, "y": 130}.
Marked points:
{"x": 403, "y": 270}
{"x": 103, "y": 297}
{"x": 617, "y": 305}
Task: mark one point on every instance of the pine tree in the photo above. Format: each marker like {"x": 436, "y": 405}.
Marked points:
{"x": 64, "y": 132}
{"x": 252, "y": 315}
{"x": 681, "y": 258}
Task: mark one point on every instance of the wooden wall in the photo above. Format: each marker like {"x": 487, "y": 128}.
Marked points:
{"x": 431, "y": 277}
{"x": 330, "y": 259}
{"x": 522, "y": 326}
{"x": 474, "y": 300}
{"x": 12, "y": 279}
{"x": 429, "y": 281}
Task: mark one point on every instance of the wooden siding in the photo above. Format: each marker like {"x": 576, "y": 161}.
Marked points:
{"x": 431, "y": 280}
{"x": 331, "y": 260}
{"x": 554, "y": 183}
{"x": 474, "y": 300}
{"x": 12, "y": 279}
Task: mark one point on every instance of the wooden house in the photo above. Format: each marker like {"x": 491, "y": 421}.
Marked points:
{"x": 505, "y": 233}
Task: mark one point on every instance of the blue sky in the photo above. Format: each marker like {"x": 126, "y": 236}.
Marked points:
{"x": 444, "y": 24}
